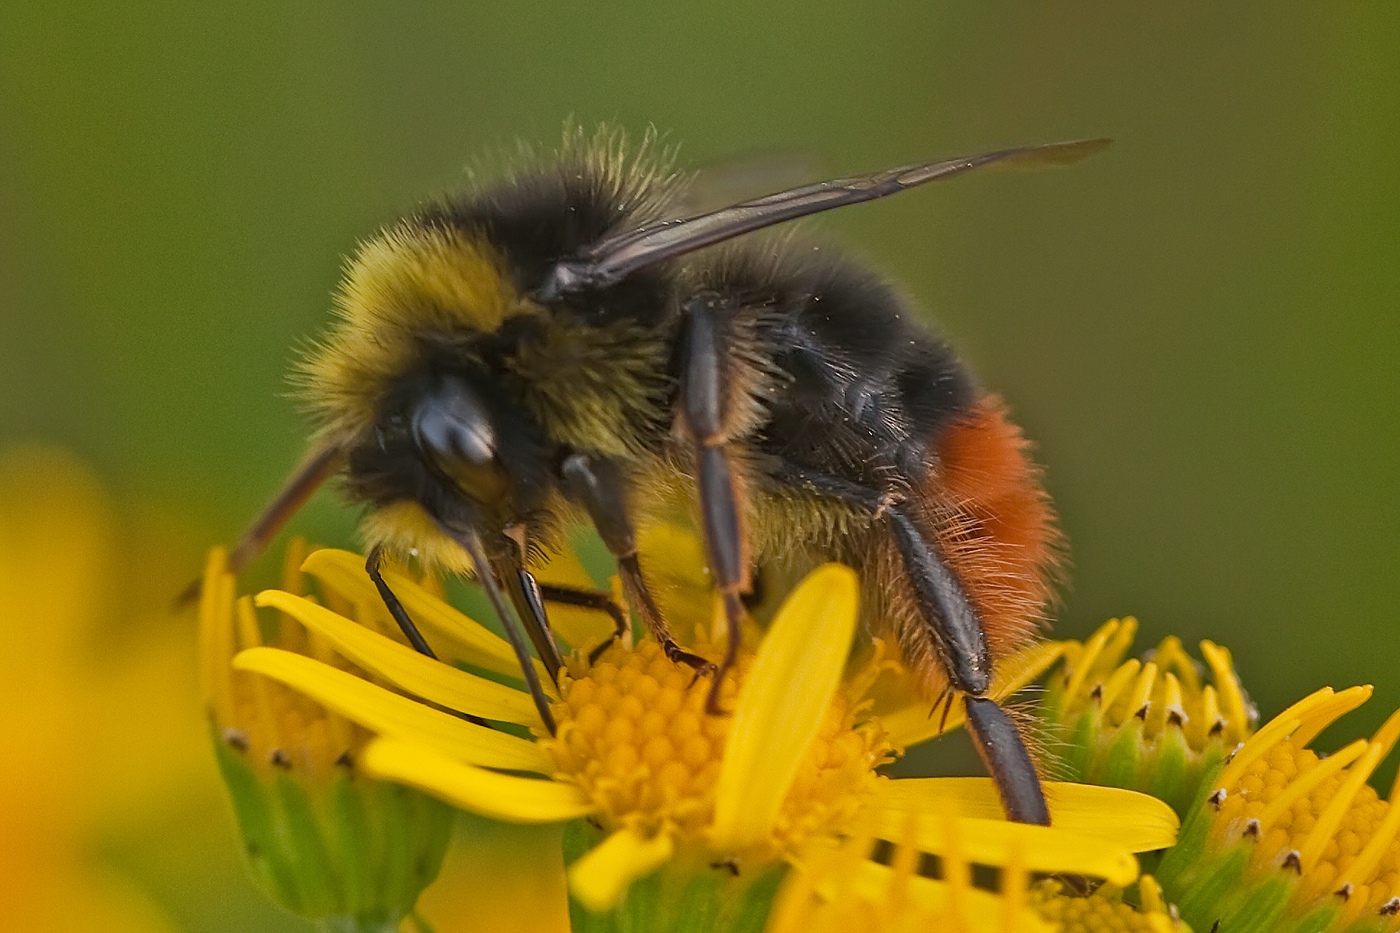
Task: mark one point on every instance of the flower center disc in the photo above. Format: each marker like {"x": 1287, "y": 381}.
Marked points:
{"x": 1280, "y": 830}
{"x": 633, "y": 733}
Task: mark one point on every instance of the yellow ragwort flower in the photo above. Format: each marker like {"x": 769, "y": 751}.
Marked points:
{"x": 99, "y": 741}
{"x": 1290, "y": 840}
{"x": 322, "y": 838}
{"x": 839, "y": 887}
{"x": 1152, "y": 725}
{"x": 792, "y": 764}
{"x": 1105, "y": 910}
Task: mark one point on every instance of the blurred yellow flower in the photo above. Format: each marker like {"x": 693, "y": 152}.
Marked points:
{"x": 1105, "y": 910}
{"x": 841, "y": 888}
{"x": 100, "y": 726}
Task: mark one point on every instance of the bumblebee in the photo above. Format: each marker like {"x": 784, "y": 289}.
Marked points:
{"x": 570, "y": 345}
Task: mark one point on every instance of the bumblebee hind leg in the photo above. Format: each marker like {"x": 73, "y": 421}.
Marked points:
{"x": 1004, "y": 754}
{"x": 958, "y": 640}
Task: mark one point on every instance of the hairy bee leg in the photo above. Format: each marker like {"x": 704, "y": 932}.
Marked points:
{"x": 396, "y": 609}
{"x": 587, "y": 599}
{"x": 596, "y": 483}
{"x": 957, "y": 632}
{"x": 1004, "y": 754}
{"x": 705, "y": 393}
{"x": 959, "y": 640}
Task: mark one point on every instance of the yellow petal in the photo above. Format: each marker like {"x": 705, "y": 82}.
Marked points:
{"x": 1235, "y": 706}
{"x": 981, "y": 911}
{"x": 917, "y": 721}
{"x": 1122, "y": 818}
{"x": 581, "y": 627}
{"x": 603, "y": 875}
{"x": 782, "y": 704}
{"x": 344, "y": 572}
{"x": 406, "y": 668}
{"x": 498, "y": 796}
{"x": 389, "y": 714}
{"x": 674, "y": 559}
{"x": 1302, "y": 722}
{"x": 993, "y": 842}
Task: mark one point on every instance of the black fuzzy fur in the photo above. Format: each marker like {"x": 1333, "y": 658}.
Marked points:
{"x": 842, "y": 378}
{"x": 861, "y": 387}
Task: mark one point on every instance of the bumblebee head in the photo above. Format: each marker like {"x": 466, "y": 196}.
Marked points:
{"x": 450, "y": 445}
{"x": 448, "y": 389}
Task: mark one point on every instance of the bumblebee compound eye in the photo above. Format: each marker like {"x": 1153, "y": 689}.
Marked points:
{"x": 453, "y": 422}
{"x": 454, "y": 429}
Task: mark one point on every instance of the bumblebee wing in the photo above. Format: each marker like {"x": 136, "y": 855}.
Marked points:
{"x": 740, "y": 177}
{"x": 616, "y": 257}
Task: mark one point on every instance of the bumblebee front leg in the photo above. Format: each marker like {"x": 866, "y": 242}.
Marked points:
{"x": 396, "y": 609}
{"x": 706, "y": 384}
{"x": 528, "y": 598}
{"x": 596, "y": 484}
{"x": 407, "y": 626}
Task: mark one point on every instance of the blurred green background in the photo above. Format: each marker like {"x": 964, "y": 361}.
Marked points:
{"x": 1199, "y": 327}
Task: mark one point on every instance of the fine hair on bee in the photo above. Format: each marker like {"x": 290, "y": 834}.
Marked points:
{"x": 570, "y": 344}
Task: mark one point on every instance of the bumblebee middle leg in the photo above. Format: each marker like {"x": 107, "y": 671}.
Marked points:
{"x": 588, "y": 599}
{"x": 706, "y": 404}
{"x": 596, "y": 483}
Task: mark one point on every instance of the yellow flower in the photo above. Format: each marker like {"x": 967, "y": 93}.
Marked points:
{"x": 792, "y": 765}
{"x": 1105, "y": 910}
{"x": 1152, "y": 725}
{"x": 1287, "y": 839}
{"x": 321, "y": 838}
{"x": 98, "y": 737}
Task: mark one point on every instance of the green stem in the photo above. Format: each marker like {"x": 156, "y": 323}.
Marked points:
{"x": 355, "y": 925}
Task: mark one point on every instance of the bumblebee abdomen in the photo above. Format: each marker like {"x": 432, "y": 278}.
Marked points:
{"x": 994, "y": 522}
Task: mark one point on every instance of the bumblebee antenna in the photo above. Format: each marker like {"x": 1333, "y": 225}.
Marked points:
{"x": 614, "y": 258}
{"x": 303, "y": 481}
